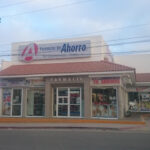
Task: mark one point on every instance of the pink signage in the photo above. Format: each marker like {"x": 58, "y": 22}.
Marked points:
{"x": 106, "y": 81}
{"x": 29, "y": 52}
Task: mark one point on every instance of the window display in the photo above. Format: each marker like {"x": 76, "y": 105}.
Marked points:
{"x": 11, "y": 105}
{"x": 145, "y": 101}
{"x": 6, "y": 103}
{"x": 139, "y": 101}
{"x": 104, "y": 103}
{"x": 134, "y": 102}
{"x": 36, "y": 102}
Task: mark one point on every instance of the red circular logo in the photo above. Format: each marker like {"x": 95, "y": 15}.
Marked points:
{"x": 29, "y": 52}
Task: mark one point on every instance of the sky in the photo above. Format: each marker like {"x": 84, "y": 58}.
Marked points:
{"x": 124, "y": 24}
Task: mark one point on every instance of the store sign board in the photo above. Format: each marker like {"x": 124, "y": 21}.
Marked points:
{"x": 13, "y": 83}
{"x": 142, "y": 89}
{"x": 105, "y": 81}
{"x": 21, "y": 83}
{"x": 65, "y": 79}
{"x": 37, "y": 82}
{"x": 34, "y": 51}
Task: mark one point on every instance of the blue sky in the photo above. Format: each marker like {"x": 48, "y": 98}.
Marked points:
{"x": 75, "y": 18}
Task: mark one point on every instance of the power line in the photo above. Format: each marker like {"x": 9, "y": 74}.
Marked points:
{"x": 114, "y": 44}
{"x": 46, "y": 9}
{"x": 120, "y": 43}
{"x": 106, "y": 45}
{"x": 108, "y": 30}
{"x": 125, "y": 52}
{"x": 127, "y": 38}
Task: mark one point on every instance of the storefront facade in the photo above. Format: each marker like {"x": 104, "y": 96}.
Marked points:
{"x": 84, "y": 96}
{"x": 66, "y": 79}
{"x": 139, "y": 96}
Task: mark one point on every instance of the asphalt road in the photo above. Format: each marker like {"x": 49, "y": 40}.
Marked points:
{"x": 73, "y": 140}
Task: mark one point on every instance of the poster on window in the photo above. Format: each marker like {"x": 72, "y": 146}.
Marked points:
{"x": 6, "y": 105}
{"x": 104, "y": 103}
{"x": 145, "y": 101}
{"x": 139, "y": 101}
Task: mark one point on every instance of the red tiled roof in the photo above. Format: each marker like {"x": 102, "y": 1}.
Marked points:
{"x": 143, "y": 77}
{"x": 60, "y": 68}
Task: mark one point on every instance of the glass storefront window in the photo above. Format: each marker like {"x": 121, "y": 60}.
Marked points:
{"x": 145, "y": 101}
{"x": 134, "y": 102}
{"x": 75, "y": 101}
{"x": 11, "y": 105}
{"x": 63, "y": 92}
{"x": 104, "y": 103}
{"x": 62, "y": 110}
{"x": 139, "y": 101}
{"x": 6, "y": 103}
{"x": 67, "y": 102}
{"x": 36, "y": 102}
{"x": 16, "y": 102}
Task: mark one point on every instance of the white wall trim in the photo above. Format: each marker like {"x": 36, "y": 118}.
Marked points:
{"x": 67, "y": 74}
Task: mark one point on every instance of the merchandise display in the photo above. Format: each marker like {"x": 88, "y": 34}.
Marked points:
{"x": 36, "y": 102}
{"x": 104, "y": 103}
{"x": 139, "y": 101}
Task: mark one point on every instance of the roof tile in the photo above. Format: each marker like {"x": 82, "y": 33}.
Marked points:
{"x": 143, "y": 77}
{"x": 59, "y": 68}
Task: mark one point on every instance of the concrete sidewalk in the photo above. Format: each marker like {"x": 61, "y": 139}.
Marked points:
{"x": 95, "y": 126}
{"x": 142, "y": 123}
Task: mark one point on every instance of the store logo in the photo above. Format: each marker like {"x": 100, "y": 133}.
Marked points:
{"x": 73, "y": 48}
{"x": 29, "y": 52}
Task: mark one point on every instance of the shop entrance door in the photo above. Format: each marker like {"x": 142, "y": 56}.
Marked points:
{"x": 68, "y": 102}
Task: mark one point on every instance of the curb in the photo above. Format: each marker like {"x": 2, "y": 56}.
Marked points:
{"x": 72, "y": 127}
{"x": 55, "y": 120}
{"x": 54, "y": 127}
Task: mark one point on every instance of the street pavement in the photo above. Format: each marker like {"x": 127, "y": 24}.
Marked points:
{"x": 75, "y": 136}
{"x": 73, "y": 139}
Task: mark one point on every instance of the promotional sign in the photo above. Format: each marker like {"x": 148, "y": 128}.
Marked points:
{"x": 65, "y": 79}
{"x": 21, "y": 83}
{"x": 6, "y": 108}
{"x": 103, "y": 81}
{"x": 34, "y": 51}
{"x": 13, "y": 83}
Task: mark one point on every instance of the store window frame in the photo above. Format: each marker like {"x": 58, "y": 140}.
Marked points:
{"x": 26, "y": 108}
{"x": 140, "y": 101}
{"x": 68, "y": 104}
{"x": 117, "y": 103}
{"x": 11, "y": 102}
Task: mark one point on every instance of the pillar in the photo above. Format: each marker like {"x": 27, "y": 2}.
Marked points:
{"x": 48, "y": 100}
{"x": 87, "y": 98}
{"x": 121, "y": 103}
{"x": 24, "y": 102}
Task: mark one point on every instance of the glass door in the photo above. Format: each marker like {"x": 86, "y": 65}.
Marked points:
{"x": 62, "y": 102}
{"x": 68, "y": 102}
{"x": 75, "y": 101}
